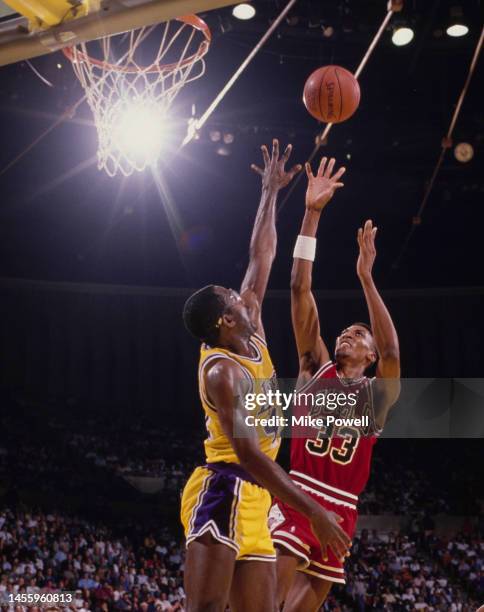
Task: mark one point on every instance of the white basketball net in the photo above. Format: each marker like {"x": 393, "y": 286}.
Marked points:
{"x": 130, "y": 101}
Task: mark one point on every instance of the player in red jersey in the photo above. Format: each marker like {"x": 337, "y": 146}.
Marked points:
{"x": 333, "y": 467}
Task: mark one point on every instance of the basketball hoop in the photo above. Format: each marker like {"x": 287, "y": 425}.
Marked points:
{"x": 130, "y": 98}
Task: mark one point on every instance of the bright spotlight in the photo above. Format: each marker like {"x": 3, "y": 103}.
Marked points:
{"x": 457, "y": 29}
{"x": 243, "y": 11}
{"x": 402, "y": 36}
{"x": 139, "y": 131}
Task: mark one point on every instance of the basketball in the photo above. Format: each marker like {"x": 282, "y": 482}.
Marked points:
{"x": 331, "y": 94}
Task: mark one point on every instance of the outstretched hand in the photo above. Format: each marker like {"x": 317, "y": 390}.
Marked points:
{"x": 366, "y": 242}
{"x": 321, "y": 187}
{"x": 274, "y": 175}
{"x": 326, "y": 527}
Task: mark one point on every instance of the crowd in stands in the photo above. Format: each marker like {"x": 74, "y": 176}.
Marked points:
{"x": 127, "y": 571}
{"x": 57, "y": 450}
{"x": 137, "y": 456}
{"x": 131, "y": 569}
{"x": 405, "y": 572}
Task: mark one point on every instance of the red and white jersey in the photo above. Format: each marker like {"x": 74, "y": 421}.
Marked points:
{"x": 335, "y": 463}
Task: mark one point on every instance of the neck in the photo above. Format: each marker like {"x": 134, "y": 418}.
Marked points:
{"x": 239, "y": 345}
{"x": 348, "y": 370}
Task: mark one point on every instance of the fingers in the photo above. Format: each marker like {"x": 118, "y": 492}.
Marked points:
{"x": 338, "y": 185}
{"x": 346, "y": 539}
{"x": 367, "y": 230}
{"x": 339, "y": 174}
{"x": 368, "y": 234}
{"x": 294, "y": 170}
{"x": 265, "y": 155}
{"x": 309, "y": 172}
{"x": 322, "y": 166}
{"x": 329, "y": 168}
{"x": 275, "y": 149}
{"x": 340, "y": 545}
{"x": 256, "y": 169}
{"x": 287, "y": 153}
{"x": 359, "y": 237}
{"x": 338, "y": 548}
{"x": 326, "y": 169}
{"x": 324, "y": 552}
{"x": 371, "y": 237}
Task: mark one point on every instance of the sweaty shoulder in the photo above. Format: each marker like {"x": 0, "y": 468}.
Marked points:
{"x": 225, "y": 375}
{"x": 221, "y": 369}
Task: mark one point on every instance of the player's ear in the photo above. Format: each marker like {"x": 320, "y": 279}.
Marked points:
{"x": 228, "y": 319}
{"x": 372, "y": 356}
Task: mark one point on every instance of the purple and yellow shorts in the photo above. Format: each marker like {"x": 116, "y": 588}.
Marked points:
{"x": 224, "y": 500}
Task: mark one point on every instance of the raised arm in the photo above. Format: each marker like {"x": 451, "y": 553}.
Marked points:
{"x": 311, "y": 348}
{"x": 264, "y": 238}
{"x": 384, "y": 332}
{"x": 220, "y": 382}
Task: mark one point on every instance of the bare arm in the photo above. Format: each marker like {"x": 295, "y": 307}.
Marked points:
{"x": 311, "y": 348}
{"x": 264, "y": 238}
{"x": 384, "y": 332}
{"x": 220, "y": 382}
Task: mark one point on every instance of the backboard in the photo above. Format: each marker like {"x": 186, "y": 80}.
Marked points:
{"x": 43, "y": 26}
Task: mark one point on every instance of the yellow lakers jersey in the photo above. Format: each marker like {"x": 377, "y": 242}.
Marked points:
{"x": 260, "y": 371}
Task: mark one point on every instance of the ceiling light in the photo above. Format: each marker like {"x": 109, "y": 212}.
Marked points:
{"x": 456, "y": 25}
{"x": 138, "y": 131}
{"x": 457, "y": 29}
{"x": 402, "y": 36}
{"x": 464, "y": 152}
{"x": 243, "y": 11}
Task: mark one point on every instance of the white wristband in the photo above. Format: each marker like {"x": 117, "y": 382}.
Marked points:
{"x": 305, "y": 248}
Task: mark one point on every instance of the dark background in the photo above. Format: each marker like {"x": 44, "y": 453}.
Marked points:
{"x": 123, "y": 351}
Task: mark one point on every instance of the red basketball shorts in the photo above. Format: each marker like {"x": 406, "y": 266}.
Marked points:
{"x": 291, "y": 530}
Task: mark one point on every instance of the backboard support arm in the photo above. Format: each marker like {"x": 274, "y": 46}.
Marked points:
{"x": 17, "y": 43}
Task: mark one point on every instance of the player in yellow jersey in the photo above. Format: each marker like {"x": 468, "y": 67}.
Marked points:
{"x": 230, "y": 556}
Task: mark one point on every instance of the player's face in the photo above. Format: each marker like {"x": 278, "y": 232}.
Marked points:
{"x": 239, "y": 310}
{"x": 356, "y": 343}
{"x": 242, "y": 312}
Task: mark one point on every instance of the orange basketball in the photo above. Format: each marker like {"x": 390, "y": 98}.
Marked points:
{"x": 331, "y": 94}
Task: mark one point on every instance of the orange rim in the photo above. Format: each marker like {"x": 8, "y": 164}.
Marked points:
{"x": 191, "y": 20}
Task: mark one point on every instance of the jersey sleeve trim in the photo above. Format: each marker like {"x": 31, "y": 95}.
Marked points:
{"x": 260, "y": 339}
{"x": 377, "y": 431}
